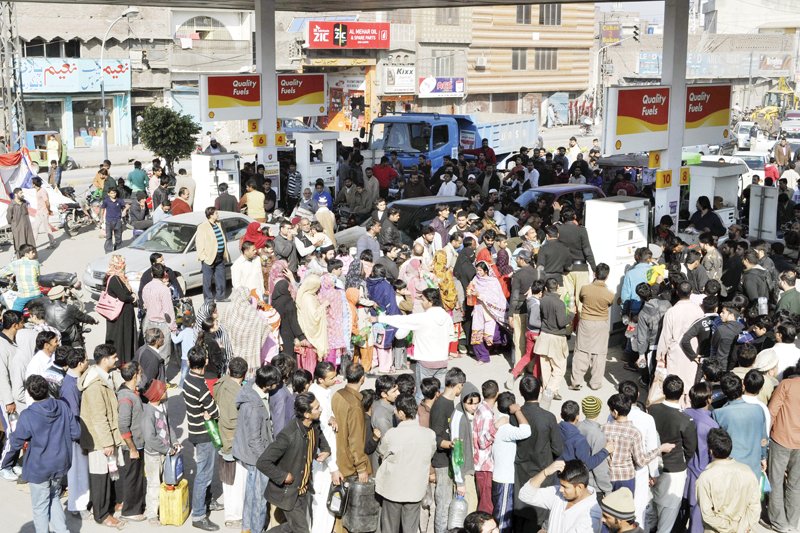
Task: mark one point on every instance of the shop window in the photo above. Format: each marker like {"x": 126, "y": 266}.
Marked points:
{"x": 57, "y": 48}
{"x": 550, "y": 14}
{"x": 519, "y": 59}
{"x": 524, "y": 14}
{"x": 72, "y": 48}
{"x": 87, "y": 121}
{"x": 546, "y": 59}
{"x": 399, "y": 16}
{"x": 41, "y": 115}
{"x": 52, "y": 49}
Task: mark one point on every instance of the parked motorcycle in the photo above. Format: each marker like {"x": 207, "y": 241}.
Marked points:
{"x": 72, "y": 214}
{"x": 68, "y": 280}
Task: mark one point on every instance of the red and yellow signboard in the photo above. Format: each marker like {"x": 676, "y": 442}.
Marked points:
{"x": 302, "y": 95}
{"x": 708, "y": 114}
{"x": 637, "y": 120}
{"x": 236, "y": 97}
{"x": 685, "y": 176}
{"x": 324, "y": 34}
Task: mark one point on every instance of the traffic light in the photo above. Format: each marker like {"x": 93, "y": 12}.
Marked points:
{"x": 636, "y": 33}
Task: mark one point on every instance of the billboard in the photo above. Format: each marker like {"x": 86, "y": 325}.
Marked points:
{"x": 708, "y": 114}
{"x": 610, "y": 33}
{"x": 66, "y": 75}
{"x": 432, "y": 87}
{"x": 236, "y": 97}
{"x": 400, "y": 80}
{"x": 636, "y": 120}
{"x": 302, "y": 95}
{"x": 327, "y": 35}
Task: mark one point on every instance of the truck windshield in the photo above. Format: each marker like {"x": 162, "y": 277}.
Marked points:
{"x": 400, "y": 136}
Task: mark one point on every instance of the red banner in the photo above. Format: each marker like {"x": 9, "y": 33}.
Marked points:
{"x": 708, "y": 105}
{"x": 236, "y": 97}
{"x": 644, "y": 110}
{"x": 302, "y": 95}
{"x": 352, "y": 35}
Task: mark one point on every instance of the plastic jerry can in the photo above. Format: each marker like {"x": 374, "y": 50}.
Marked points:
{"x": 173, "y": 503}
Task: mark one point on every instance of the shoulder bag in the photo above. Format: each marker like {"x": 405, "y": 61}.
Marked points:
{"x": 109, "y": 307}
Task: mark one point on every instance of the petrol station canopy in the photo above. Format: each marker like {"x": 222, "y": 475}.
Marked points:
{"x": 312, "y": 6}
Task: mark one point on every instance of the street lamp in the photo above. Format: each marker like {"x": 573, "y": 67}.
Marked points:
{"x": 131, "y": 12}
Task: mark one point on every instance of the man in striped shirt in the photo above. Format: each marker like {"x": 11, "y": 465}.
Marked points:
{"x": 200, "y": 406}
{"x": 26, "y": 272}
{"x": 213, "y": 255}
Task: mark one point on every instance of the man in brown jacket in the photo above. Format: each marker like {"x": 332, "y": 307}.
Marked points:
{"x": 591, "y": 345}
{"x": 212, "y": 252}
{"x": 351, "y": 435}
{"x": 100, "y": 435}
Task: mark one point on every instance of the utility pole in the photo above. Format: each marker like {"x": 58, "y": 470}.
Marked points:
{"x": 11, "y": 89}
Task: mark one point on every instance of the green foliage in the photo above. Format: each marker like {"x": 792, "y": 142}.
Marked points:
{"x": 168, "y": 134}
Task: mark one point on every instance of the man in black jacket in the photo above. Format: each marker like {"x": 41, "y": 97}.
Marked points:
{"x": 576, "y": 239}
{"x": 389, "y": 233}
{"x": 66, "y": 318}
{"x": 724, "y": 338}
{"x": 287, "y": 463}
{"x": 551, "y": 344}
{"x": 147, "y": 277}
{"x": 701, "y": 330}
{"x": 535, "y": 453}
{"x": 554, "y": 257}
{"x": 674, "y": 427}
{"x": 521, "y": 282}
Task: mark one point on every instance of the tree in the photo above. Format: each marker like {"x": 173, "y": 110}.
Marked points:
{"x": 168, "y": 134}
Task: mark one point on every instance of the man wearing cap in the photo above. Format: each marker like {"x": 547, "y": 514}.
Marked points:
{"x": 226, "y": 201}
{"x": 214, "y": 147}
{"x": 66, "y": 318}
{"x": 600, "y": 476}
{"x": 326, "y": 218}
{"x": 521, "y": 282}
{"x": 618, "y": 513}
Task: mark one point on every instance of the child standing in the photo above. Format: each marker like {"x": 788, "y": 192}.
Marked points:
{"x": 186, "y": 337}
{"x": 461, "y": 428}
{"x": 504, "y": 450}
{"x": 158, "y": 443}
{"x": 484, "y": 431}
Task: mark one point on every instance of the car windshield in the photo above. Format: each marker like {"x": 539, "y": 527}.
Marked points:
{"x": 400, "y": 136}
{"x": 753, "y": 163}
{"x": 531, "y": 197}
{"x": 165, "y": 237}
{"x": 745, "y": 128}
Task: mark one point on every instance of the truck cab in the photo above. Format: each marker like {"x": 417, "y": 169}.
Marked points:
{"x": 412, "y": 135}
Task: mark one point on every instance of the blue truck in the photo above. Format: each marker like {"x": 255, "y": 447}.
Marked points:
{"x": 434, "y": 136}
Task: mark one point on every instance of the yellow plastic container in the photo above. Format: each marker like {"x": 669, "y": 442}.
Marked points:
{"x": 173, "y": 503}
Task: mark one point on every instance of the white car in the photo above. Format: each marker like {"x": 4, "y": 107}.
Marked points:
{"x": 754, "y": 161}
{"x": 175, "y": 238}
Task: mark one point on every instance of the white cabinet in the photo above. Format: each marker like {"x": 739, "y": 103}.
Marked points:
{"x": 209, "y": 171}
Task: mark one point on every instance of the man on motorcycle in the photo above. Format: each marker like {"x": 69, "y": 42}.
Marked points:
{"x": 66, "y": 318}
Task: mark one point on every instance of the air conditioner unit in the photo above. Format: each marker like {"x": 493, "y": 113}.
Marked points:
{"x": 481, "y": 61}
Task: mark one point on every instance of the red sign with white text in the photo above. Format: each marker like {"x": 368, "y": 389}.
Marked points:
{"x": 350, "y": 35}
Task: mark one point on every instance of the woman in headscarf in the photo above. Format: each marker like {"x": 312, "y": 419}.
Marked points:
{"x": 313, "y": 320}
{"x": 487, "y": 218}
{"x": 356, "y": 294}
{"x": 121, "y": 332}
{"x": 486, "y": 253}
{"x": 337, "y": 314}
{"x": 282, "y": 293}
{"x": 246, "y": 329}
{"x": 382, "y": 293}
{"x": 209, "y": 309}
{"x": 464, "y": 272}
{"x": 447, "y": 289}
{"x": 414, "y": 277}
{"x": 489, "y": 313}
{"x": 255, "y": 235}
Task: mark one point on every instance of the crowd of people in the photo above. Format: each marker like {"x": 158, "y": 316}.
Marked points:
{"x": 701, "y": 435}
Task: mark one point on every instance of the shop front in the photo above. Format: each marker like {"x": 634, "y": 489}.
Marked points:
{"x": 349, "y": 99}
{"x": 63, "y": 95}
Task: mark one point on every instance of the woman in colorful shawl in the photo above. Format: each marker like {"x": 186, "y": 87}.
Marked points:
{"x": 489, "y": 313}
{"x": 209, "y": 309}
{"x": 356, "y": 293}
{"x": 313, "y": 320}
{"x": 447, "y": 289}
{"x": 486, "y": 254}
{"x": 246, "y": 329}
{"x": 382, "y": 293}
{"x": 503, "y": 263}
{"x": 337, "y": 315}
{"x": 411, "y": 274}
